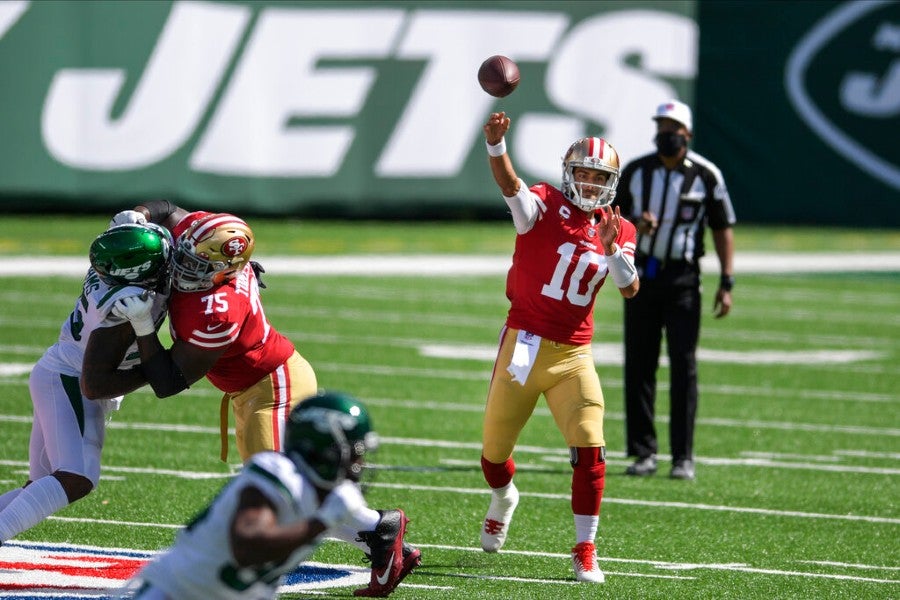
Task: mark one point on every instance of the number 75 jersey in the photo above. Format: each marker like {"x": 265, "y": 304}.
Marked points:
{"x": 229, "y": 318}
{"x": 557, "y": 269}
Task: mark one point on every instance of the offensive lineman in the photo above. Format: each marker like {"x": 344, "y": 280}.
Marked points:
{"x": 69, "y": 426}
{"x": 220, "y": 331}
{"x": 567, "y": 242}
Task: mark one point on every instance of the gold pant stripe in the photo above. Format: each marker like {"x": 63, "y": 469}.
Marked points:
{"x": 223, "y": 428}
{"x": 260, "y": 411}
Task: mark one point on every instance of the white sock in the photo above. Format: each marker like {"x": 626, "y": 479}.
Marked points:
{"x": 33, "y": 504}
{"x": 350, "y": 534}
{"x": 586, "y": 528}
{"x": 505, "y": 491}
{"x": 8, "y": 497}
{"x": 366, "y": 519}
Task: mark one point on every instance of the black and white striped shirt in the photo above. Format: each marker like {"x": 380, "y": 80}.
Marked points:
{"x": 684, "y": 200}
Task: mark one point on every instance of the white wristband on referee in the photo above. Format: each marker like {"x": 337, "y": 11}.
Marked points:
{"x": 622, "y": 270}
{"x": 498, "y": 149}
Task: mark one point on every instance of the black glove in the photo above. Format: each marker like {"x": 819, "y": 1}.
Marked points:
{"x": 258, "y": 271}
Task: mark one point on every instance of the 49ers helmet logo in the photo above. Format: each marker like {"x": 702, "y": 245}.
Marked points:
{"x": 235, "y": 246}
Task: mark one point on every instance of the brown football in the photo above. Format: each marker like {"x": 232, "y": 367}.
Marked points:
{"x": 498, "y": 76}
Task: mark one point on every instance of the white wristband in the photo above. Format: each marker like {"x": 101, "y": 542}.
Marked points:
{"x": 498, "y": 149}
{"x": 622, "y": 270}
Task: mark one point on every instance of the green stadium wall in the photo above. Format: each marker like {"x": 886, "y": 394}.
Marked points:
{"x": 372, "y": 109}
{"x": 799, "y": 104}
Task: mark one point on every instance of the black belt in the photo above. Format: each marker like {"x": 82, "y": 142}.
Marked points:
{"x": 652, "y": 267}
{"x": 641, "y": 261}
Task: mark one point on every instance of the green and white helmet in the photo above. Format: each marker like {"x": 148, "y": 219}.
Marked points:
{"x": 134, "y": 254}
{"x": 328, "y": 437}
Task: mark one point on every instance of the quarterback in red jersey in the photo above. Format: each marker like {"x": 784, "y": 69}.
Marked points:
{"x": 220, "y": 331}
{"x": 568, "y": 242}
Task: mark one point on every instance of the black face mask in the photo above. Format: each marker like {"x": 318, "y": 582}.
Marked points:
{"x": 669, "y": 143}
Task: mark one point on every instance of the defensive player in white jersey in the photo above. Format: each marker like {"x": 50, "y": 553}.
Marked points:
{"x": 69, "y": 429}
{"x": 273, "y": 515}
{"x": 568, "y": 241}
{"x": 220, "y": 331}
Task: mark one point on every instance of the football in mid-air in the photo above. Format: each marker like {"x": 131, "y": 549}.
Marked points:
{"x": 498, "y": 76}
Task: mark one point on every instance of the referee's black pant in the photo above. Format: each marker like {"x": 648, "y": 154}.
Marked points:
{"x": 668, "y": 302}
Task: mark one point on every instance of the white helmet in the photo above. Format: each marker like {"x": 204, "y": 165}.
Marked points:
{"x": 590, "y": 153}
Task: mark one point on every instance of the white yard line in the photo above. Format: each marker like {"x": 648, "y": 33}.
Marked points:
{"x": 471, "y": 265}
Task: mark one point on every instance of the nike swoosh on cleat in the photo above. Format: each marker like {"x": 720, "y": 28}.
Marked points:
{"x": 383, "y": 578}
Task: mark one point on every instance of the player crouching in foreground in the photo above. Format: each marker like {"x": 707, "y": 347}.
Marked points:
{"x": 275, "y": 512}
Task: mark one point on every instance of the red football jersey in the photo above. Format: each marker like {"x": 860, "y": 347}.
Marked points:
{"x": 230, "y": 316}
{"x": 557, "y": 268}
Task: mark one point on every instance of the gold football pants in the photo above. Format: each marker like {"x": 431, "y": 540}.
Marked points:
{"x": 261, "y": 410}
{"x": 567, "y": 378}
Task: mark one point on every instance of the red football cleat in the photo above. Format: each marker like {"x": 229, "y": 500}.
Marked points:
{"x": 392, "y": 558}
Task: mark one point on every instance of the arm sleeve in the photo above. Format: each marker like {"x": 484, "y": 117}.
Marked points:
{"x": 163, "y": 375}
{"x": 526, "y": 207}
{"x": 158, "y": 210}
{"x": 621, "y": 268}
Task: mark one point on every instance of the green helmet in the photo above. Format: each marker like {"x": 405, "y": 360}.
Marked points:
{"x": 133, "y": 254}
{"x": 328, "y": 437}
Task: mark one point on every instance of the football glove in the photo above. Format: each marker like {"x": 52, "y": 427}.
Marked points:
{"x": 341, "y": 504}
{"x": 258, "y": 271}
{"x": 137, "y": 310}
{"x": 127, "y": 216}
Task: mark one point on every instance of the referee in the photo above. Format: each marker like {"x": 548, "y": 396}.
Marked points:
{"x": 671, "y": 196}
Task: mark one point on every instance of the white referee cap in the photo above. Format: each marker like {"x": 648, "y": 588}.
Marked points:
{"x": 677, "y": 111}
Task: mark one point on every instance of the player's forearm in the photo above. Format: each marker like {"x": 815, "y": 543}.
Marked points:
{"x": 161, "y": 212}
{"x": 253, "y": 545}
{"x": 160, "y": 370}
{"x": 106, "y": 384}
{"x": 504, "y": 174}
{"x": 523, "y": 206}
{"x": 622, "y": 270}
{"x": 101, "y": 378}
{"x": 631, "y": 290}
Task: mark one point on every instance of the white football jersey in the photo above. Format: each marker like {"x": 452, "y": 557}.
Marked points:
{"x": 200, "y": 565}
{"x": 93, "y": 310}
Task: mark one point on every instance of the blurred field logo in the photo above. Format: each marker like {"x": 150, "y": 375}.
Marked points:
{"x": 854, "y": 109}
{"x": 35, "y": 570}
